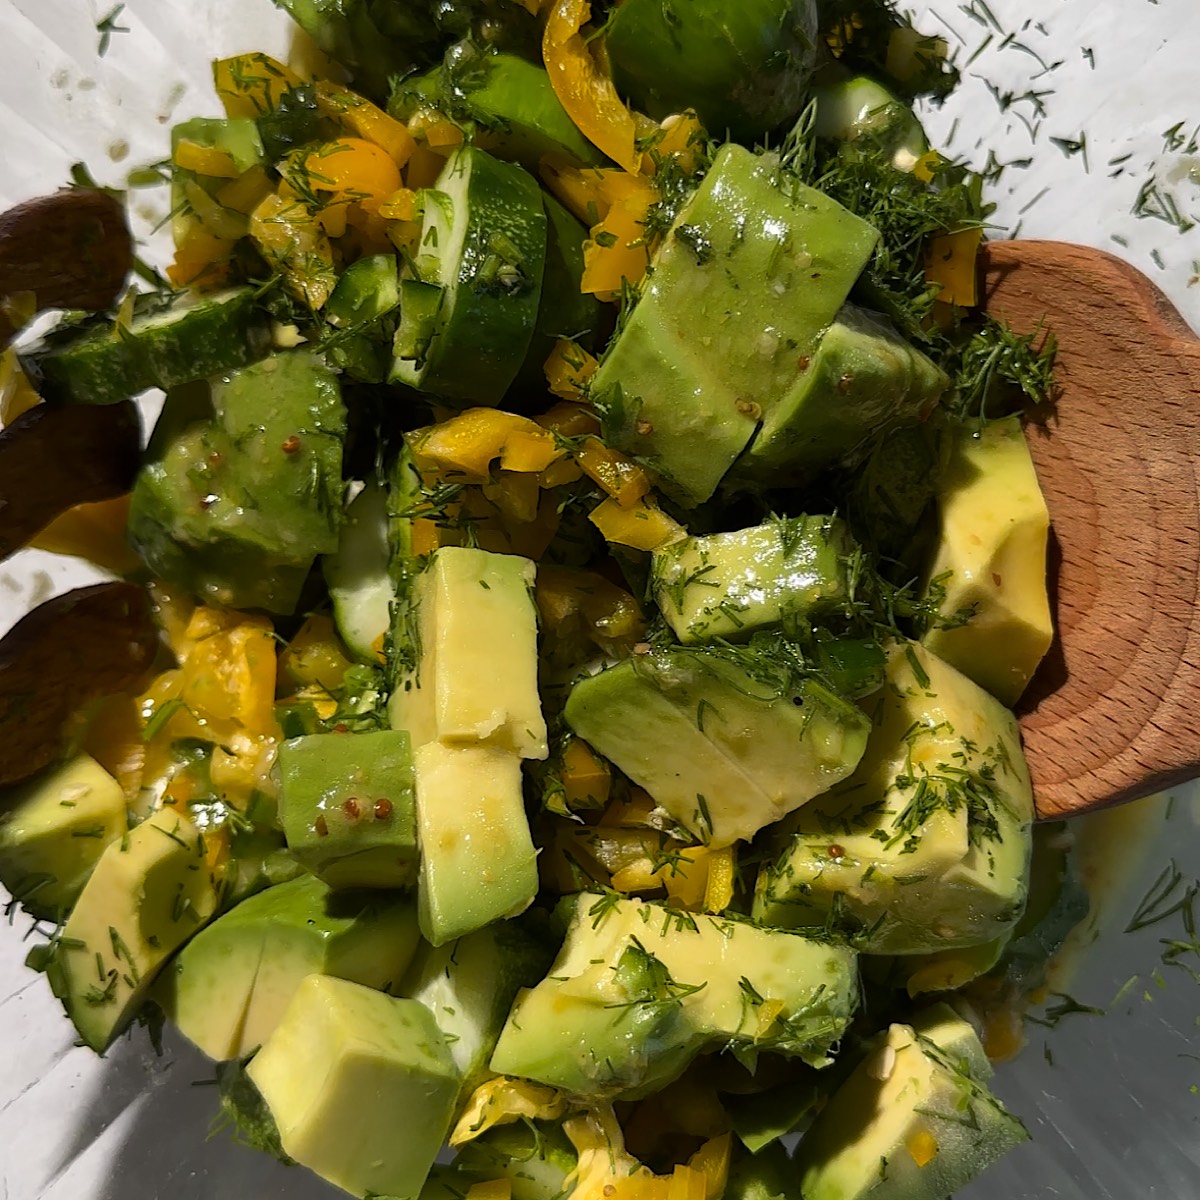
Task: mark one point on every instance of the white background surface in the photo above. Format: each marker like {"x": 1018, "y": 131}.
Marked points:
{"x": 1114, "y": 1118}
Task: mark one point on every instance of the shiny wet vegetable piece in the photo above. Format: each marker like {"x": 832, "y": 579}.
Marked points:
{"x": 53, "y": 458}
{"x": 74, "y": 649}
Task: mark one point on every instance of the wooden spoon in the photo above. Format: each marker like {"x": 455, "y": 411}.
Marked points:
{"x": 1113, "y": 712}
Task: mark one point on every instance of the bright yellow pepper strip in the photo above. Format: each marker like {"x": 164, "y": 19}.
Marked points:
{"x": 584, "y": 91}
{"x": 619, "y": 249}
{"x": 292, "y": 240}
{"x": 568, "y": 369}
{"x": 618, "y": 475}
{"x": 467, "y": 444}
{"x": 360, "y": 117}
{"x": 205, "y": 160}
{"x": 718, "y": 890}
{"x": 644, "y": 526}
{"x": 712, "y": 1162}
{"x": 503, "y": 1100}
{"x": 250, "y": 85}
{"x": 950, "y": 263}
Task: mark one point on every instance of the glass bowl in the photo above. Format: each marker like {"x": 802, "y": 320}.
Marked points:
{"x": 1085, "y": 115}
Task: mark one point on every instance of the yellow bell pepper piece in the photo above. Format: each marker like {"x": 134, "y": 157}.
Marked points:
{"x": 245, "y": 193}
{"x": 314, "y": 657}
{"x": 569, "y": 420}
{"x": 250, "y": 85}
{"x": 533, "y": 539}
{"x": 359, "y": 116}
{"x": 678, "y": 137}
{"x": 618, "y": 475}
{"x": 201, "y": 259}
{"x": 712, "y": 1161}
{"x": 205, "y": 160}
{"x": 95, "y": 532}
{"x": 346, "y": 171}
{"x": 529, "y": 450}
{"x": 586, "y": 779}
{"x": 951, "y": 264}
{"x": 292, "y": 241}
{"x": 643, "y": 525}
{"x": 443, "y": 136}
{"x": 401, "y": 205}
{"x": 583, "y": 89}
{"x": 568, "y": 370}
{"x": 466, "y": 445}
{"x": 590, "y": 193}
{"x": 923, "y": 1147}
{"x": 610, "y": 614}
{"x": 504, "y": 1100}
{"x": 926, "y": 166}
{"x": 423, "y": 167}
{"x": 515, "y": 494}
{"x": 218, "y": 220}
{"x": 722, "y": 871}
{"x": 619, "y": 249}
{"x": 17, "y": 394}
{"x": 229, "y": 675}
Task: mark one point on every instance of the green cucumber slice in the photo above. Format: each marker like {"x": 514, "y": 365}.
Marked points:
{"x": 360, "y": 584}
{"x": 484, "y": 243}
{"x": 191, "y": 337}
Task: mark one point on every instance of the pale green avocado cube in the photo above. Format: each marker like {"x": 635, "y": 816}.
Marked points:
{"x": 784, "y": 572}
{"x": 990, "y": 561}
{"x": 906, "y": 1125}
{"x": 360, "y": 1084}
{"x": 751, "y": 274}
{"x": 720, "y": 747}
{"x": 862, "y": 377}
{"x": 228, "y": 988}
{"x": 926, "y": 846}
{"x": 639, "y": 990}
{"x": 473, "y": 638}
{"x": 149, "y": 893}
{"x": 54, "y": 832}
{"x": 955, "y": 1037}
{"x": 478, "y": 862}
{"x": 347, "y": 809}
{"x": 469, "y": 986}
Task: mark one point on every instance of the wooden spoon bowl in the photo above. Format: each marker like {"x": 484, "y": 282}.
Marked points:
{"x": 1113, "y": 712}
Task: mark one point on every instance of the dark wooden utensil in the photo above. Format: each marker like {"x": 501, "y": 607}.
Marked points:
{"x": 1113, "y": 713}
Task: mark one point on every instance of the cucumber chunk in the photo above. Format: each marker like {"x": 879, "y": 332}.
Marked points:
{"x": 358, "y": 575}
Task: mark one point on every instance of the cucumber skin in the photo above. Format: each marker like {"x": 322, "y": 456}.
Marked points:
{"x": 94, "y": 364}
{"x": 480, "y": 345}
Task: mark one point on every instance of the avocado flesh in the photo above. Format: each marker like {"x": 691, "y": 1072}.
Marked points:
{"x": 745, "y": 67}
{"x": 360, "y": 1084}
{"x": 955, "y": 1038}
{"x": 710, "y": 345}
{"x": 469, "y": 986}
{"x": 724, "y": 752}
{"x": 926, "y": 846}
{"x": 908, "y": 1123}
{"x": 478, "y": 862}
{"x": 730, "y": 585}
{"x": 863, "y": 376}
{"x": 227, "y": 989}
{"x": 637, "y": 991}
{"x": 54, "y": 831}
{"x": 242, "y": 490}
{"x": 347, "y": 808}
{"x": 472, "y": 631}
{"x": 991, "y": 559}
{"x": 148, "y": 894}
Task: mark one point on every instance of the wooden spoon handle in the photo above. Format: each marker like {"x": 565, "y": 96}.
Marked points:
{"x": 1114, "y": 711}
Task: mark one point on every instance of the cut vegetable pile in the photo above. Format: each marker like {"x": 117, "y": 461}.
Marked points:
{"x": 558, "y": 697}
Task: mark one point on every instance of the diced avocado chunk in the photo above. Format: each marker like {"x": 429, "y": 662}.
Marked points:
{"x": 767, "y": 1175}
{"x": 926, "y": 846}
{"x": 535, "y": 1158}
{"x": 241, "y": 489}
{"x": 469, "y": 986}
{"x": 990, "y": 563}
{"x": 721, "y": 740}
{"x": 478, "y": 863}
{"x": 166, "y": 344}
{"x": 227, "y": 989}
{"x": 359, "y": 574}
{"x": 785, "y": 572}
{"x": 907, "y": 1125}
{"x": 638, "y": 990}
{"x": 54, "y": 831}
{"x": 472, "y": 641}
{"x": 863, "y": 376}
{"x": 745, "y": 67}
{"x": 149, "y": 893}
{"x": 955, "y": 1038}
{"x": 753, "y": 271}
{"x": 483, "y": 243}
{"x": 762, "y": 1118}
{"x": 361, "y": 1086}
{"x": 522, "y": 117}
{"x": 347, "y": 809}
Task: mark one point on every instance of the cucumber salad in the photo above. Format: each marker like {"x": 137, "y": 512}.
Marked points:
{"x": 554, "y": 697}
